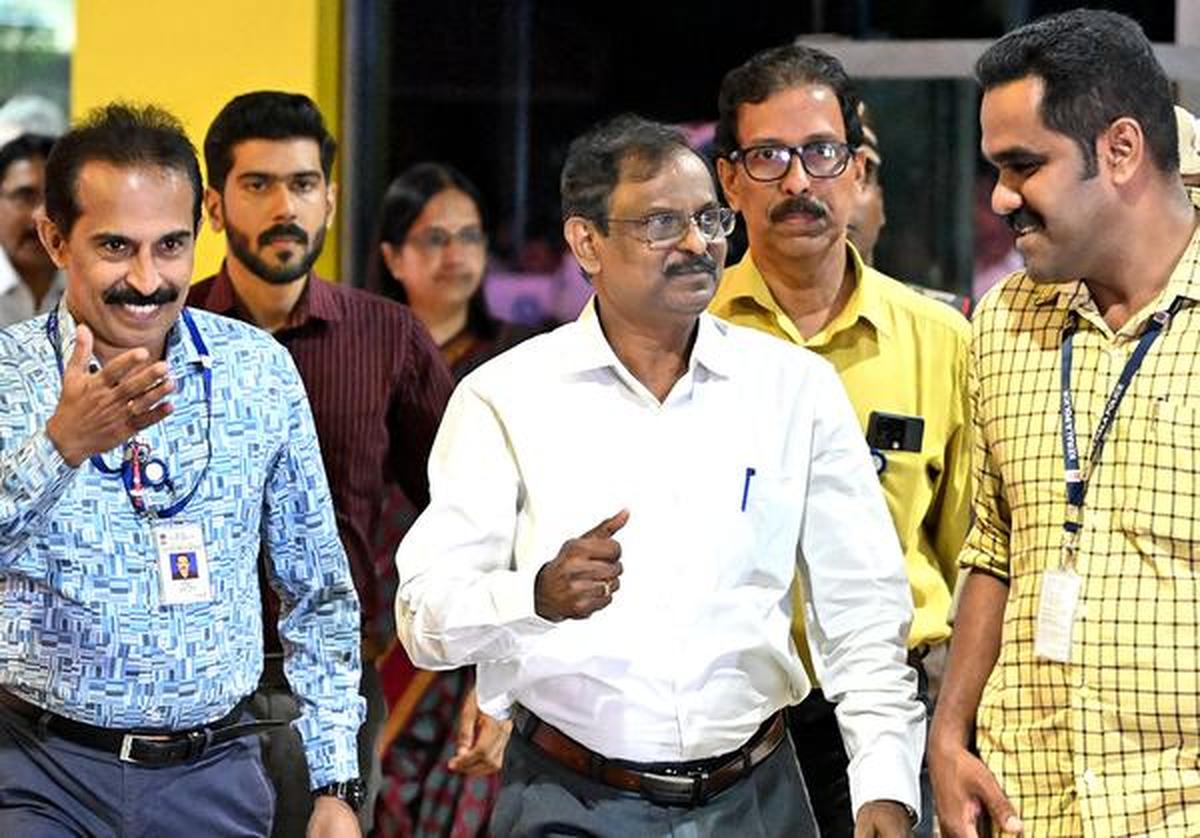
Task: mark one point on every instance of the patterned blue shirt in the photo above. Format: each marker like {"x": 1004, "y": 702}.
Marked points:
{"x": 82, "y": 630}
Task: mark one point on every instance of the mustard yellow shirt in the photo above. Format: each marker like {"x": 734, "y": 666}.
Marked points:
{"x": 896, "y": 352}
{"x": 1108, "y": 744}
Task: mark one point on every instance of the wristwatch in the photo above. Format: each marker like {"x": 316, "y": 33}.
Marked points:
{"x": 352, "y": 792}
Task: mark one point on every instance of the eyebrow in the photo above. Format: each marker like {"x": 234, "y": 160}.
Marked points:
{"x": 280, "y": 175}
{"x": 819, "y": 137}
{"x": 1015, "y": 154}
{"x": 103, "y": 236}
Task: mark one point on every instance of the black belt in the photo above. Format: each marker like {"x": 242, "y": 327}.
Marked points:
{"x": 141, "y": 746}
{"x": 666, "y": 784}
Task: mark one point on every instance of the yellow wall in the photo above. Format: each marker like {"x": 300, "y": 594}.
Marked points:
{"x": 193, "y": 57}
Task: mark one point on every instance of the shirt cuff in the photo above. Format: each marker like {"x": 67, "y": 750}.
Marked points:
{"x": 884, "y": 775}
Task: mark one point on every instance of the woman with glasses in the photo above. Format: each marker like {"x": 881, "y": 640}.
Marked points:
{"x": 431, "y": 253}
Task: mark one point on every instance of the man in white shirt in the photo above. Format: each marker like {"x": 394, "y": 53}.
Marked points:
{"x": 622, "y": 582}
{"x": 29, "y": 282}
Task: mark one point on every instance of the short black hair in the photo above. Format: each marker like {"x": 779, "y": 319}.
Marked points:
{"x": 777, "y": 69}
{"x": 264, "y": 115}
{"x": 24, "y": 147}
{"x": 124, "y": 135}
{"x": 1095, "y": 67}
{"x": 403, "y": 202}
{"x": 628, "y": 145}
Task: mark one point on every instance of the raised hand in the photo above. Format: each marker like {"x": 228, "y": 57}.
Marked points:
{"x": 584, "y": 575}
{"x": 99, "y": 410}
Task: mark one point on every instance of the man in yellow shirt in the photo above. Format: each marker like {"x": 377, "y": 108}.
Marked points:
{"x": 788, "y": 141}
{"x": 1075, "y": 661}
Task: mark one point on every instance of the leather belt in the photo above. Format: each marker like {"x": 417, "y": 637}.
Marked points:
{"x": 666, "y": 784}
{"x": 141, "y": 746}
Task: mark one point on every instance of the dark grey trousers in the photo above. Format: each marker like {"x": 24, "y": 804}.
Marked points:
{"x": 539, "y": 797}
{"x": 54, "y": 788}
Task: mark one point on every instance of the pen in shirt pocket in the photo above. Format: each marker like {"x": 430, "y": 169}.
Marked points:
{"x": 746, "y": 486}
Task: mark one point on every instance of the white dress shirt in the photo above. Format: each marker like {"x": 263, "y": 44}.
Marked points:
{"x": 16, "y": 300}
{"x": 694, "y": 652}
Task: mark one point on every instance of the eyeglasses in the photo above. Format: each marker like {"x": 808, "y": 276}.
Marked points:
{"x": 820, "y": 159}
{"x": 25, "y": 196}
{"x": 438, "y": 238}
{"x": 663, "y": 229}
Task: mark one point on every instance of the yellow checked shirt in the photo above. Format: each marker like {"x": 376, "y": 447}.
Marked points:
{"x": 896, "y": 352}
{"x": 1108, "y": 745}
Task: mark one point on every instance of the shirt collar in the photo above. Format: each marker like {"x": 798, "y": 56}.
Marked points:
{"x": 317, "y": 301}
{"x": 748, "y": 287}
{"x": 593, "y": 351}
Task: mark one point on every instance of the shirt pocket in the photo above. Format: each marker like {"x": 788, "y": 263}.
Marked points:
{"x": 762, "y": 532}
{"x": 1165, "y": 475}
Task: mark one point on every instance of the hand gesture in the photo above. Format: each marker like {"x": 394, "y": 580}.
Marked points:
{"x": 98, "y": 411}
{"x": 583, "y": 576}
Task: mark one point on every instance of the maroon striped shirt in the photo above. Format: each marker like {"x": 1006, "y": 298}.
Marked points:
{"x": 377, "y": 386}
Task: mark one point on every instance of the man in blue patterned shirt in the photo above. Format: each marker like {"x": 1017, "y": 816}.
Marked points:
{"x": 133, "y": 431}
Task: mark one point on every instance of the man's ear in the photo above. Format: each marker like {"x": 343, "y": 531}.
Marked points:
{"x": 54, "y": 241}
{"x": 727, "y": 174}
{"x": 212, "y": 206}
{"x": 584, "y": 239}
{"x": 1121, "y": 149}
{"x": 330, "y": 204}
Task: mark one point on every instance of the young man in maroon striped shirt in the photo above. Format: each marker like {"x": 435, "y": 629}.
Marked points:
{"x": 375, "y": 380}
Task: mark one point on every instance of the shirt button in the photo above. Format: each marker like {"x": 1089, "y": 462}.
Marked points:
{"x": 1089, "y": 778}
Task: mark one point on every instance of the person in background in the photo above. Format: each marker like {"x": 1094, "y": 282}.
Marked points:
{"x": 1189, "y": 149}
{"x": 375, "y": 381}
{"x": 431, "y": 253}
{"x": 868, "y": 218}
{"x": 790, "y": 160}
{"x": 30, "y": 284}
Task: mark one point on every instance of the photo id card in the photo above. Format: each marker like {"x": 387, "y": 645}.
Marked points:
{"x": 1056, "y": 615}
{"x": 182, "y": 564}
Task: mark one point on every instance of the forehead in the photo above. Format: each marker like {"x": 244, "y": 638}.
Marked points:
{"x": 25, "y": 170}
{"x": 682, "y": 181}
{"x": 792, "y": 115}
{"x": 141, "y": 202}
{"x": 448, "y": 207}
{"x": 1010, "y": 117}
{"x": 295, "y": 154}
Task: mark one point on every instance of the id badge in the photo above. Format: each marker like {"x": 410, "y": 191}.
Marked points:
{"x": 1056, "y": 615}
{"x": 182, "y": 564}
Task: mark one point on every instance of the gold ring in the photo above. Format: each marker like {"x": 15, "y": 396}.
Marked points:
{"x": 607, "y": 589}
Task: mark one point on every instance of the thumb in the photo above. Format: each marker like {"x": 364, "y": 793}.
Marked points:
{"x": 82, "y": 353}
{"x": 609, "y": 526}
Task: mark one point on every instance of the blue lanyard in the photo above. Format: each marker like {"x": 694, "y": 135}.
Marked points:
{"x": 1077, "y": 482}
{"x": 134, "y": 462}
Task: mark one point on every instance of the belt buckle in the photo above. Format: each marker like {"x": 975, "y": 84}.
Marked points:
{"x": 127, "y": 748}
{"x": 675, "y": 789}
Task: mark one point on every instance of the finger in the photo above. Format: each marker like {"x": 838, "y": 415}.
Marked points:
{"x": 82, "y": 353}
{"x": 609, "y": 526}
{"x": 119, "y": 367}
{"x": 152, "y": 416}
{"x": 139, "y": 380}
{"x": 1003, "y": 813}
{"x": 605, "y": 549}
{"x": 151, "y": 397}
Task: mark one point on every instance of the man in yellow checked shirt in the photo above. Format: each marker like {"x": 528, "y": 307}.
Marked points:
{"x": 788, "y": 141}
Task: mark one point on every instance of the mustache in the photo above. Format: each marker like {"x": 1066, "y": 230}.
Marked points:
{"x": 697, "y": 264}
{"x": 1023, "y": 218}
{"x": 799, "y": 203}
{"x": 122, "y": 295}
{"x": 282, "y": 231}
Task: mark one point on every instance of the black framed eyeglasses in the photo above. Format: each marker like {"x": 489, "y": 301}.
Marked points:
{"x": 663, "y": 229}
{"x": 771, "y": 161}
